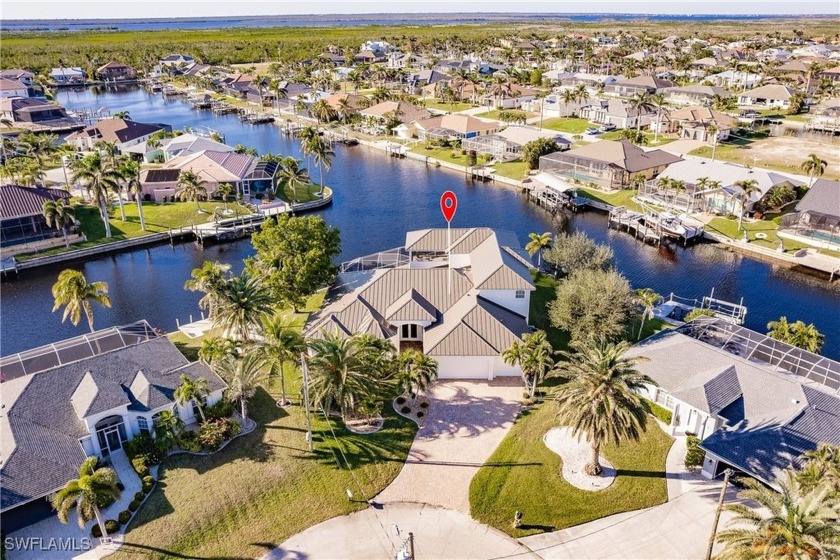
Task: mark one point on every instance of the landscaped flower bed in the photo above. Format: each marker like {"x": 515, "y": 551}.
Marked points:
{"x": 414, "y": 407}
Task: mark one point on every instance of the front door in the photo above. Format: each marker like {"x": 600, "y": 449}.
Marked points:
{"x": 112, "y": 436}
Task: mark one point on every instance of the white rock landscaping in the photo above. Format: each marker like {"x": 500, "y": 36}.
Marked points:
{"x": 575, "y": 454}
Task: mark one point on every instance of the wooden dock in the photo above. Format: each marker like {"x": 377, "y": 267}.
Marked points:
{"x": 635, "y": 223}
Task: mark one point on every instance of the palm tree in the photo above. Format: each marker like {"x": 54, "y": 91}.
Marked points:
{"x": 280, "y": 344}
{"x": 85, "y": 493}
{"x": 344, "y": 109}
{"x": 292, "y": 175}
{"x": 792, "y": 523}
{"x": 658, "y": 101}
{"x": 225, "y": 190}
{"x": 73, "y": 292}
{"x": 111, "y": 150}
{"x": 58, "y": 214}
{"x": 192, "y": 391}
{"x": 808, "y": 337}
{"x": 533, "y": 356}
{"x": 813, "y": 166}
{"x": 642, "y": 101}
{"x": 98, "y": 178}
{"x": 822, "y": 465}
{"x": 415, "y": 372}
{"x": 648, "y": 300}
{"x": 600, "y": 399}
{"x": 713, "y": 131}
{"x": 747, "y": 186}
{"x": 125, "y": 115}
{"x": 168, "y": 427}
{"x": 243, "y": 377}
{"x": 214, "y": 348}
{"x": 192, "y": 188}
{"x": 537, "y": 244}
{"x": 344, "y": 371}
{"x": 322, "y": 154}
{"x": 322, "y": 111}
{"x": 243, "y": 302}
{"x": 210, "y": 279}
{"x": 130, "y": 172}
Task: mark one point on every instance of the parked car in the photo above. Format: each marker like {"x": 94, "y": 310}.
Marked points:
{"x": 592, "y": 130}
{"x": 606, "y": 127}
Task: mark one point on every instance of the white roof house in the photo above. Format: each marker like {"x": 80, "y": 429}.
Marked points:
{"x": 773, "y": 95}
{"x": 463, "y": 317}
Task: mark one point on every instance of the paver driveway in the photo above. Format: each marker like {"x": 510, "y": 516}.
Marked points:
{"x": 467, "y": 420}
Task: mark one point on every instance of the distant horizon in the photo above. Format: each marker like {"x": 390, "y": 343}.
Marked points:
{"x": 103, "y": 10}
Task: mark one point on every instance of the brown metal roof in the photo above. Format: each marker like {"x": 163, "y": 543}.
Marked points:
{"x": 19, "y": 202}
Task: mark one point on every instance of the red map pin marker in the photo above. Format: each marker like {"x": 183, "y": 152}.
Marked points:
{"x": 448, "y": 205}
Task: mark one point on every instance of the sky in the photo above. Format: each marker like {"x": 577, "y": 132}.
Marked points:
{"x": 110, "y": 9}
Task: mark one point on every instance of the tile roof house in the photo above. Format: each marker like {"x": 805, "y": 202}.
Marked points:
{"x": 122, "y": 132}
{"x": 21, "y": 213}
{"x": 633, "y": 86}
{"x": 24, "y": 76}
{"x": 617, "y": 112}
{"x": 608, "y": 163}
{"x": 756, "y": 403}
{"x": 695, "y": 123}
{"x": 507, "y": 144}
{"x": 463, "y": 317}
{"x": 694, "y": 94}
{"x": 776, "y": 96}
{"x": 451, "y": 126}
{"x": 95, "y": 393}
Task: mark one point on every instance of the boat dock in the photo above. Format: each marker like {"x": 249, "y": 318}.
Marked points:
{"x": 8, "y": 265}
{"x": 654, "y": 226}
{"x": 675, "y": 309}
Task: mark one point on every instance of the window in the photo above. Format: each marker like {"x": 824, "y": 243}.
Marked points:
{"x": 665, "y": 399}
{"x": 409, "y": 332}
{"x": 520, "y": 294}
{"x": 143, "y": 424}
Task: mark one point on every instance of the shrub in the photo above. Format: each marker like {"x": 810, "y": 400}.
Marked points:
{"x": 134, "y": 505}
{"x": 400, "y": 400}
{"x": 424, "y": 404}
{"x": 212, "y": 434}
{"x": 405, "y": 409}
{"x": 663, "y": 414}
{"x": 148, "y": 480}
{"x": 138, "y": 496}
{"x": 148, "y": 487}
{"x": 120, "y": 486}
{"x": 104, "y": 501}
{"x": 188, "y": 441}
{"x": 221, "y": 409}
{"x": 144, "y": 445}
{"x": 421, "y": 414}
{"x": 147, "y": 197}
{"x": 694, "y": 313}
{"x": 140, "y": 466}
{"x": 124, "y": 516}
{"x": 232, "y": 428}
{"x": 111, "y": 525}
{"x": 694, "y": 455}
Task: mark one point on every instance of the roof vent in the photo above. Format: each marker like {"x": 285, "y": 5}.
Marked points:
{"x": 794, "y": 401}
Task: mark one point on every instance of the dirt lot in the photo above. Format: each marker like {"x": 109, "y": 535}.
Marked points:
{"x": 780, "y": 152}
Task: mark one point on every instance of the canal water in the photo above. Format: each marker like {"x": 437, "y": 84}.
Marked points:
{"x": 377, "y": 199}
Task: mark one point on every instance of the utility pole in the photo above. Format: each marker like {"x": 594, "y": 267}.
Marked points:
{"x": 305, "y": 369}
{"x": 411, "y": 545}
{"x": 726, "y": 475}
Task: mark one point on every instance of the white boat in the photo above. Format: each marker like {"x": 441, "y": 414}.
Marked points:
{"x": 670, "y": 225}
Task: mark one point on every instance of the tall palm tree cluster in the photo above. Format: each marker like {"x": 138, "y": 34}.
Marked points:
{"x": 318, "y": 148}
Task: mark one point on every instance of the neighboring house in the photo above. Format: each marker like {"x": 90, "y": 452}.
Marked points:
{"x": 182, "y": 145}
{"x": 639, "y": 84}
{"x": 617, "y": 112}
{"x": 249, "y": 175}
{"x": 722, "y": 200}
{"x": 832, "y": 74}
{"x": 12, "y": 88}
{"x": 116, "y": 71}
{"x": 817, "y": 217}
{"x": 775, "y": 96}
{"x": 68, "y": 76}
{"x": 694, "y": 94}
{"x": 756, "y": 403}
{"x": 179, "y": 61}
{"x": 82, "y": 397}
{"x": 731, "y": 79}
{"x": 21, "y": 214}
{"x": 453, "y": 126}
{"x": 355, "y": 103}
{"x": 419, "y": 80}
{"x": 508, "y": 143}
{"x": 695, "y": 123}
{"x": 463, "y": 316}
{"x": 37, "y": 113}
{"x": 23, "y": 76}
{"x": 402, "y": 111}
{"x": 509, "y": 100}
{"x": 396, "y": 60}
{"x": 607, "y": 163}
{"x": 121, "y": 132}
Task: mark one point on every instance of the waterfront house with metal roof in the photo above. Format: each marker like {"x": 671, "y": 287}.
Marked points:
{"x": 463, "y": 316}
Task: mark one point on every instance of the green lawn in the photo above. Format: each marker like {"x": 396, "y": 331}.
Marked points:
{"x": 494, "y": 113}
{"x": 769, "y": 227}
{"x": 567, "y": 124}
{"x": 449, "y": 107}
{"x": 516, "y": 169}
{"x": 616, "y": 135}
{"x": 524, "y": 475}
{"x": 159, "y": 218}
{"x": 265, "y": 486}
{"x": 624, "y": 197}
{"x": 451, "y": 155}
{"x": 300, "y": 194}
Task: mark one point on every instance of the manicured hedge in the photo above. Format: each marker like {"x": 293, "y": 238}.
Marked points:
{"x": 663, "y": 414}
